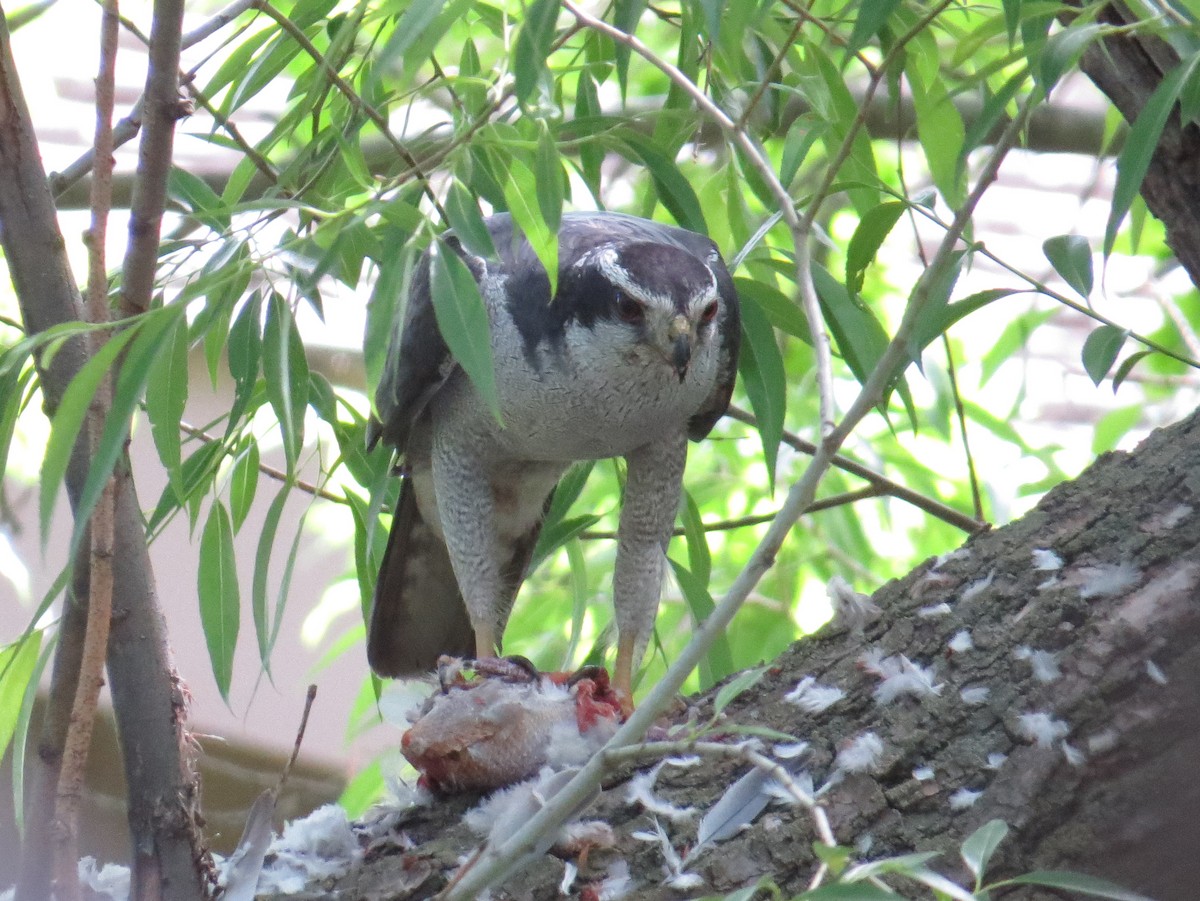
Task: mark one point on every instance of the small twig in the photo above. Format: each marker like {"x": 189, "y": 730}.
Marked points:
{"x": 78, "y": 740}
{"x": 309, "y": 697}
{"x": 216, "y": 23}
{"x": 266, "y": 469}
{"x": 771, "y": 73}
{"x": 887, "y": 486}
{"x": 961, "y": 415}
{"x": 725, "y": 525}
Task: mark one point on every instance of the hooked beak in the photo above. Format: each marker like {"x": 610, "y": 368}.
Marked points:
{"x": 681, "y": 346}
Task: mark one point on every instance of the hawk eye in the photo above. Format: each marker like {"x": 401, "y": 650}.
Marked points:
{"x": 629, "y": 310}
{"x": 709, "y": 313}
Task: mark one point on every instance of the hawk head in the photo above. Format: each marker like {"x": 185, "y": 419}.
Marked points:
{"x": 665, "y": 297}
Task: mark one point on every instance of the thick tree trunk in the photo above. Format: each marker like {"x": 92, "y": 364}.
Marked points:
{"x": 1121, "y": 617}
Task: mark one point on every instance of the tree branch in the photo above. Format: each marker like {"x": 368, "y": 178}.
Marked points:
{"x": 100, "y": 595}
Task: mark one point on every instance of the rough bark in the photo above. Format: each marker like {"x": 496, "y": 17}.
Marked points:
{"x": 147, "y": 701}
{"x": 1126, "y": 810}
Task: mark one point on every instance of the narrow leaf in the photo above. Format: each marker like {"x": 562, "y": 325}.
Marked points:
{"x": 699, "y": 557}
{"x": 1062, "y": 51}
{"x": 258, "y": 584}
{"x": 872, "y": 229}
{"x": 67, "y": 424}
{"x": 520, "y": 193}
{"x": 1071, "y": 257}
{"x": 463, "y": 321}
{"x": 463, "y": 212}
{"x": 1075, "y": 882}
{"x": 673, "y": 189}
{"x": 1140, "y": 144}
{"x": 166, "y": 397}
{"x": 1100, "y": 350}
{"x": 412, "y": 25}
{"x": 243, "y": 482}
{"x": 741, "y": 683}
{"x": 17, "y": 663}
{"x": 849, "y": 891}
{"x": 285, "y": 368}
{"x": 533, "y": 46}
{"x": 981, "y": 844}
{"x": 871, "y": 18}
{"x": 718, "y": 662}
{"x": 1126, "y": 367}
{"x": 217, "y": 586}
{"x": 548, "y": 171}
{"x": 764, "y": 379}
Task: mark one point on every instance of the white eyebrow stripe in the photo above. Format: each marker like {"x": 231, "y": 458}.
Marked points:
{"x": 606, "y": 260}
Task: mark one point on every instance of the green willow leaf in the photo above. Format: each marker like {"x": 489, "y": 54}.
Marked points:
{"x": 166, "y": 397}
{"x": 699, "y": 556}
{"x": 1140, "y": 144}
{"x": 520, "y": 193}
{"x": 67, "y": 424}
{"x": 764, "y": 379}
{"x": 626, "y": 15}
{"x": 533, "y": 46}
{"x": 463, "y": 321}
{"x": 1126, "y": 367}
{"x": 1100, "y": 350}
{"x": 859, "y": 335}
{"x": 872, "y": 16}
{"x": 258, "y": 583}
{"x": 872, "y": 229}
{"x": 463, "y": 212}
{"x": 1075, "y": 882}
{"x": 1071, "y": 257}
{"x": 781, "y": 311}
{"x": 547, "y": 169}
{"x": 220, "y": 603}
{"x": 17, "y": 664}
{"x": 1062, "y": 50}
{"x": 718, "y": 662}
{"x": 980, "y": 845}
{"x": 672, "y": 187}
{"x": 285, "y": 368}
{"x": 243, "y": 483}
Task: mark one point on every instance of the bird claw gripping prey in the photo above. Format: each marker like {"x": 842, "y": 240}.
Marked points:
{"x": 635, "y": 354}
{"x": 497, "y": 722}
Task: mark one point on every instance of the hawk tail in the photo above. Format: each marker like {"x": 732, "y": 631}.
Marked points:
{"x": 418, "y": 612}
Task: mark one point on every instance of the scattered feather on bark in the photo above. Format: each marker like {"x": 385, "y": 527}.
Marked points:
{"x": 1041, "y": 729}
{"x": 1046, "y": 560}
{"x": 812, "y": 697}
{"x": 975, "y": 695}
{"x": 964, "y": 798}
{"x": 1107, "y": 579}
{"x": 861, "y": 754}
{"x": 1043, "y": 663}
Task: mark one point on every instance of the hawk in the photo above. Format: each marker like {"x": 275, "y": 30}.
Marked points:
{"x": 635, "y": 354}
